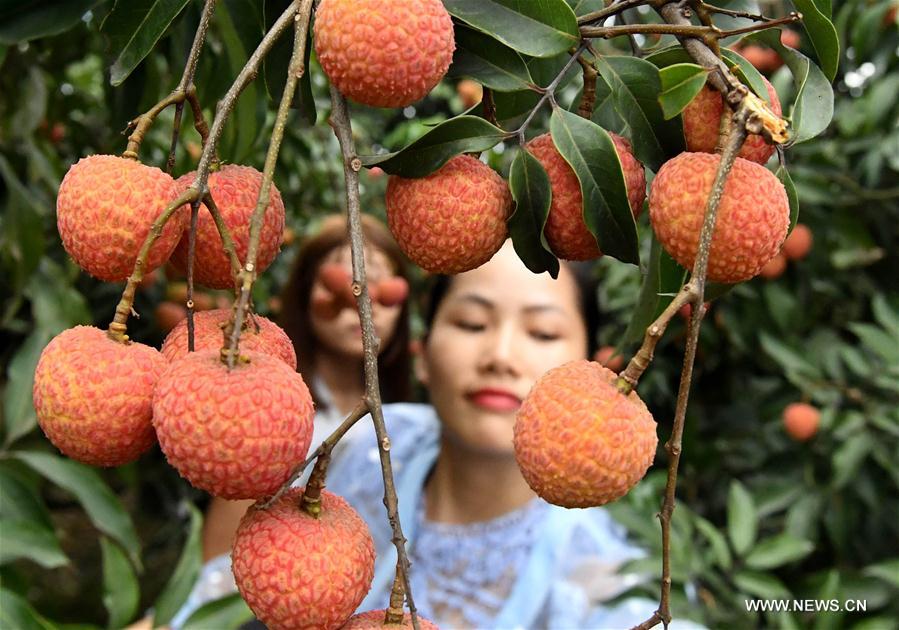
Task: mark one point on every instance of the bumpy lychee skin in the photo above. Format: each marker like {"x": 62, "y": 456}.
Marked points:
{"x": 579, "y": 441}
{"x": 454, "y": 219}
{"x": 270, "y": 338}
{"x": 104, "y": 210}
{"x": 234, "y": 189}
{"x": 801, "y": 421}
{"x": 565, "y": 229}
{"x": 297, "y": 572}
{"x": 93, "y": 396}
{"x": 374, "y": 620}
{"x": 702, "y": 121}
{"x": 384, "y": 53}
{"x": 753, "y": 216}
{"x": 236, "y": 434}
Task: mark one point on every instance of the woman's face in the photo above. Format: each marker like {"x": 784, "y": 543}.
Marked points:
{"x": 497, "y": 330}
{"x": 343, "y": 334}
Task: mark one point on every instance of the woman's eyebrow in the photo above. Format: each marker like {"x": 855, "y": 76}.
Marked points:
{"x": 476, "y": 299}
{"x": 540, "y": 308}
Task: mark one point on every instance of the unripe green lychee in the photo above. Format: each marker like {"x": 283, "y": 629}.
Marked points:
{"x": 753, "y": 216}
{"x": 454, "y": 219}
{"x": 297, "y": 572}
{"x": 801, "y": 421}
{"x": 269, "y": 339}
{"x": 238, "y": 434}
{"x": 578, "y": 440}
{"x": 565, "y": 229}
{"x": 234, "y": 189}
{"x": 702, "y": 123}
{"x": 104, "y": 210}
{"x": 374, "y": 620}
{"x": 93, "y": 396}
{"x": 384, "y": 53}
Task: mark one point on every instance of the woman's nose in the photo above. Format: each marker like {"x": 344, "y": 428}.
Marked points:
{"x": 499, "y": 351}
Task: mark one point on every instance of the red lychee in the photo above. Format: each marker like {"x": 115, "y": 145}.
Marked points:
{"x": 801, "y": 421}
{"x": 384, "y": 53}
{"x": 798, "y": 242}
{"x": 774, "y": 268}
{"x": 374, "y": 620}
{"x": 471, "y": 92}
{"x": 297, "y": 572}
{"x": 93, "y": 396}
{"x": 393, "y": 291}
{"x": 168, "y": 314}
{"x": 454, "y": 219}
{"x": 104, "y": 210}
{"x": 607, "y": 357}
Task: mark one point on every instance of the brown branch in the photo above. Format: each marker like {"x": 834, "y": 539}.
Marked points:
{"x": 680, "y": 30}
{"x": 340, "y": 122}
{"x": 588, "y": 95}
{"x": 732, "y": 13}
{"x": 489, "y": 106}
{"x": 225, "y": 234}
{"x": 613, "y": 9}
{"x": 191, "y": 250}
{"x": 789, "y": 19}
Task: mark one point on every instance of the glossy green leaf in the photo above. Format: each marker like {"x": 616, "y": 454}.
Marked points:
{"x": 539, "y": 28}
{"x": 489, "y": 62}
{"x": 583, "y": 7}
{"x": 19, "y": 418}
{"x": 822, "y": 34}
{"x": 792, "y": 196}
{"x": 590, "y": 152}
{"x": 133, "y": 28}
{"x": 777, "y": 551}
{"x": 182, "y": 581}
{"x": 462, "y": 134}
{"x": 742, "y": 518}
{"x": 761, "y": 585}
{"x": 103, "y": 508}
{"x": 21, "y": 22}
{"x": 17, "y": 614}
{"x": 530, "y": 188}
{"x": 681, "y": 83}
{"x": 747, "y": 73}
{"x": 22, "y": 241}
{"x": 19, "y": 500}
{"x": 227, "y": 613}
{"x": 720, "y": 550}
{"x": 24, "y": 539}
{"x": 242, "y": 128}
{"x": 121, "y": 592}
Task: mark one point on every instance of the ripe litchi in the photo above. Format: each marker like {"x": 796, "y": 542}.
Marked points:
{"x": 606, "y": 356}
{"x": 578, "y": 440}
{"x": 801, "y": 421}
{"x": 454, "y": 219}
{"x": 234, "y": 189}
{"x": 392, "y": 291}
{"x": 374, "y": 620}
{"x": 798, "y": 242}
{"x": 753, "y": 216}
{"x": 565, "y": 229}
{"x": 775, "y": 267}
{"x": 384, "y": 53}
{"x": 168, "y": 314}
{"x": 238, "y": 434}
{"x": 104, "y": 210}
{"x": 471, "y": 92}
{"x": 270, "y": 339}
{"x": 702, "y": 124}
{"x": 93, "y": 396}
{"x": 297, "y": 572}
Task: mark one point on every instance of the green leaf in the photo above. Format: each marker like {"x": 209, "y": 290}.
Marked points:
{"x": 849, "y": 457}
{"x": 635, "y": 86}
{"x": 103, "y": 508}
{"x": 720, "y": 550}
{"x": 784, "y": 176}
{"x": 877, "y": 340}
{"x": 530, "y": 188}
{"x": 538, "y": 28}
{"x": 30, "y": 540}
{"x": 885, "y": 315}
{"x": 644, "y": 313}
{"x": 243, "y": 124}
{"x": 742, "y": 518}
{"x": 681, "y": 83}
{"x": 22, "y": 241}
{"x": 19, "y": 501}
{"x": 18, "y": 407}
{"x": 888, "y": 571}
{"x": 16, "y": 613}
{"x": 489, "y": 62}
{"x": 134, "y": 27}
{"x": 823, "y": 36}
{"x": 277, "y": 62}
{"x": 590, "y": 152}
{"x": 227, "y": 613}
{"x": 761, "y": 585}
{"x": 777, "y": 551}
{"x": 462, "y": 134}
{"x": 791, "y": 360}
{"x": 21, "y": 22}
{"x": 121, "y": 593}
{"x": 182, "y": 581}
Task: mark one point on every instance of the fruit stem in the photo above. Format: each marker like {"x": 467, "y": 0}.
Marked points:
{"x": 297, "y": 68}
{"x": 311, "y": 503}
{"x": 394, "y": 612}
{"x": 588, "y": 95}
{"x": 489, "y": 106}
{"x": 340, "y": 123}
{"x": 191, "y": 249}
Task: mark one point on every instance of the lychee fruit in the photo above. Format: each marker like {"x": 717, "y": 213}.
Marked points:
{"x": 93, "y": 396}
{"x": 239, "y": 433}
{"x": 168, "y": 314}
{"x": 454, "y": 219}
{"x": 297, "y": 572}
{"x": 753, "y": 216}
{"x": 798, "y": 242}
{"x": 801, "y": 421}
{"x": 104, "y": 210}
{"x": 374, "y": 620}
{"x": 578, "y": 440}
{"x": 702, "y": 124}
{"x": 606, "y": 356}
{"x": 471, "y": 92}
{"x": 392, "y": 291}
{"x": 269, "y": 339}
{"x": 565, "y": 229}
{"x": 775, "y": 267}
{"x": 234, "y": 189}
{"x": 384, "y": 53}
{"x": 338, "y": 280}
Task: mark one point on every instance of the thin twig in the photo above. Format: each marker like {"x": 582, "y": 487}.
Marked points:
{"x": 613, "y": 9}
{"x": 737, "y": 14}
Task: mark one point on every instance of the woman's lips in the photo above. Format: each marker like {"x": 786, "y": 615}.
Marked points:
{"x": 495, "y": 400}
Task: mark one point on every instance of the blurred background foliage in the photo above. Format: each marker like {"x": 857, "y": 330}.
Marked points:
{"x": 760, "y": 514}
